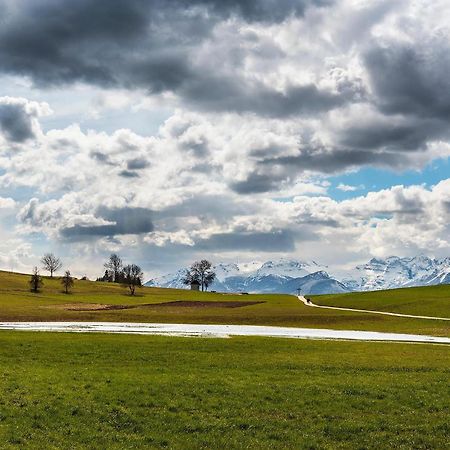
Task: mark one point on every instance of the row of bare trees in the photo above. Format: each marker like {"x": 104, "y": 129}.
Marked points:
{"x": 130, "y": 275}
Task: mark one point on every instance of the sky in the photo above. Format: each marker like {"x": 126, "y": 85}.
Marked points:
{"x": 232, "y": 130}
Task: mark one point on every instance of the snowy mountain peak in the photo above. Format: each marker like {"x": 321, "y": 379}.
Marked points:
{"x": 225, "y": 270}
{"x": 394, "y": 272}
{"x": 287, "y": 267}
{"x": 287, "y": 275}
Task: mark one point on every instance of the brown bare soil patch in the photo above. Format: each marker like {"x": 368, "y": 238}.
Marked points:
{"x": 174, "y": 304}
{"x": 218, "y": 304}
{"x": 88, "y": 307}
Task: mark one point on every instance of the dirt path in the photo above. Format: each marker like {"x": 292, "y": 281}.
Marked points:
{"x": 222, "y": 331}
{"x": 313, "y": 305}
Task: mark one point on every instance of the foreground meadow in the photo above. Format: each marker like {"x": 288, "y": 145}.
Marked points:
{"x": 94, "y": 301}
{"x": 122, "y": 392}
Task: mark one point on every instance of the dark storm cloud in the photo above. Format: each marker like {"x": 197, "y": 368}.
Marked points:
{"x": 411, "y": 135}
{"x": 256, "y": 183}
{"x": 137, "y": 164}
{"x": 411, "y": 80}
{"x": 234, "y": 94}
{"x": 15, "y": 123}
{"x": 334, "y": 161}
{"x": 275, "y": 241}
{"x": 132, "y": 44}
{"x": 279, "y": 170}
{"x": 123, "y": 221}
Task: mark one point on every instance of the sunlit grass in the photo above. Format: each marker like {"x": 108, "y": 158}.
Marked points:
{"x": 120, "y": 392}
{"x": 17, "y": 303}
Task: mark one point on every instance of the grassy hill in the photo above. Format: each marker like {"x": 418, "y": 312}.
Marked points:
{"x": 94, "y": 301}
{"x": 425, "y": 301}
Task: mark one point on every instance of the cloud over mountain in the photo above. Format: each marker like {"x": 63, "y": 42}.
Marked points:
{"x": 249, "y": 112}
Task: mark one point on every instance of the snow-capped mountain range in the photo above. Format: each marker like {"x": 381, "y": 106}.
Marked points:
{"x": 395, "y": 272}
{"x": 288, "y": 275}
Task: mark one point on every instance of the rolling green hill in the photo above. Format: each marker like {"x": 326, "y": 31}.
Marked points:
{"x": 95, "y": 301}
{"x": 425, "y": 301}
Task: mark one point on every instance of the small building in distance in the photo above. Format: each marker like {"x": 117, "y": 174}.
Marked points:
{"x": 195, "y": 285}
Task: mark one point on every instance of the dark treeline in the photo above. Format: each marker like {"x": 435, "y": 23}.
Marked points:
{"x": 130, "y": 275}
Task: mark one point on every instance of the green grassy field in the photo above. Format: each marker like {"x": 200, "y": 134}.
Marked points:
{"x": 17, "y": 303}
{"x": 427, "y": 301}
{"x": 122, "y": 392}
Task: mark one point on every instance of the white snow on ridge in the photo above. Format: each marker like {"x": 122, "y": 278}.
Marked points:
{"x": 287, "y": 268}
{"x": 286, "y": 275}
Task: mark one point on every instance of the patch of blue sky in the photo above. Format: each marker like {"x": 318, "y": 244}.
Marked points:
{"x": 25, "y": 193}
{"x": 372, "y": 179}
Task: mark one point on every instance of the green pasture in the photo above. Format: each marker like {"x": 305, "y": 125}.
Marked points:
{"x": 91, "y": 391}
{"x": 17, "y": 303}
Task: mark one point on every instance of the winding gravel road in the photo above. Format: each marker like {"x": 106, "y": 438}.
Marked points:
{"x": 222, "y": 331}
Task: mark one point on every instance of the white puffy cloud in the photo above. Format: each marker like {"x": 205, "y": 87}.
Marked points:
{"x": 259, "y": 106}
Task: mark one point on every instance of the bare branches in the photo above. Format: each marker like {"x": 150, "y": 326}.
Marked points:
{"x": 132, "y": 277}
{"x": 201, "y": 272}
{"x": 51, "y": 263}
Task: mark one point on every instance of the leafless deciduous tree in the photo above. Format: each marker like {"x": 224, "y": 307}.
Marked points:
{"x": 67, "y": 281}
{"x": 190, "y": 277}
{"x": 132, "y": 277}
{"x": 202, "y": 272}
{"x": 114, "y": 266}
{"x": 35, "y": 280}
{"x": 51, "y": 263}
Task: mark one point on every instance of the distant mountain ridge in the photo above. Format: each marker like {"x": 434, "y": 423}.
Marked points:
{"x": 289, "y": 275}
{"x": 395, "y": 272}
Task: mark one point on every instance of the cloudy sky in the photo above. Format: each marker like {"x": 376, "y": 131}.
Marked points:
{"x": 237, "y": 130}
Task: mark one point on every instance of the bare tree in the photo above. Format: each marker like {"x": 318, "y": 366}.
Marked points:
{"x": 202, "y": 272}
{"x": 132, "y": 277}
{"x": 51, "y": 263}
{"x": 114, "y": 266}
{"x": 190, "y": 277}
{"x": 35, "y": 280}
{"x": 67, "y": 281}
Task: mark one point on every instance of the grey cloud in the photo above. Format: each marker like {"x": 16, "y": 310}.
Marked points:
{"x": 334, "y": 161}
{"x": 102, "y": 158}
{"x": 132, "y": 43}
{"x": 137, "y": 164}
{"x": 275, "y": 241}
{"x": 225, "y": 93}
{"x": 278, "y": 170}
{"x": 15, "y": 123}
{"x": 410, "y": 135}
{"x": 256, "y": 183}
{"x": 123, "y": 221}
{"x": 128, "y": 174}
{"x": 410, "y": 79}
